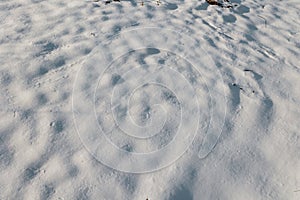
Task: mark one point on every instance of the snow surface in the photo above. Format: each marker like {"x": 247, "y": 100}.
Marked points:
{"x": 168, "y": 99}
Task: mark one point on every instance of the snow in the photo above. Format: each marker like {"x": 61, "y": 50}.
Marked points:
{"x": 169, "y": 99}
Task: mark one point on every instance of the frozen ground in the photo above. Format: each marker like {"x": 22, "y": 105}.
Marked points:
{"x": 174, "y": 100}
